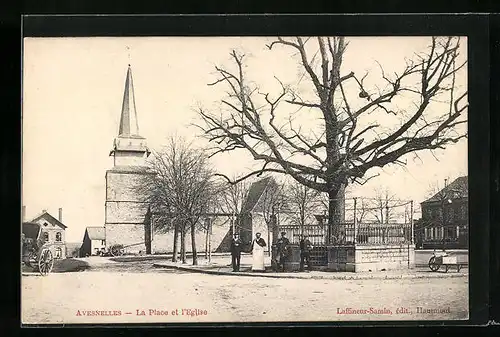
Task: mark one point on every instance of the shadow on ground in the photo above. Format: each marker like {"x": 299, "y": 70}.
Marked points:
{"x": 63, "y": 266}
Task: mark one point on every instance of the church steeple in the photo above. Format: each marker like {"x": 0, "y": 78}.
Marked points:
{"x": 129, "y": 125}
{"x": 129, "y": 148}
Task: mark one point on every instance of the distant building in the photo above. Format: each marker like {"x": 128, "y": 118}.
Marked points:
{"x": 94, "y": 241}
{"x": 257, "y": 216}
{"x": 53, "y": 232}
{"x": 445, "y": 218}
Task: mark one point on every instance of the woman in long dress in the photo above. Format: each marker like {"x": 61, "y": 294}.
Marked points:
{"x": 258, "y": 245}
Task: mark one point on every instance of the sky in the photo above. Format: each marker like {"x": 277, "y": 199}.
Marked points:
{"x": 73, "y": 91}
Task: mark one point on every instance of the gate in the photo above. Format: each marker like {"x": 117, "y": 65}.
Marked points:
{"x": 316, "y": 234}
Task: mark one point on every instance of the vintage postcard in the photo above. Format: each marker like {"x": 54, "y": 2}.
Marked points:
{"x": 244, "y": 179}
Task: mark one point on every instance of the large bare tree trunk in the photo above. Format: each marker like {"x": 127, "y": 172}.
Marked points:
{"x": 193, "y": 243}
{"x": 176, "y": 243}
{"x": 336, "y": 212}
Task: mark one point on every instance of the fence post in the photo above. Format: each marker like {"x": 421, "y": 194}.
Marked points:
{"x": 411, "y": 222}
{"x": 355, "y": 222}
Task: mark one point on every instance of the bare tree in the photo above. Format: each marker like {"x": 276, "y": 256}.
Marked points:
{"x": 347, "y": 142}
{"x": 180, "y": 186}
{"x": 232, "y": 198}
{"x": 363, "y": 208}
{"x": 383, "y": 205}
{"x": 303, "y": 202}
{"x": 272, "y": 202}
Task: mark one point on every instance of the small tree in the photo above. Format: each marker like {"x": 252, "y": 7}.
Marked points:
{"x": 383, "y": 205}
{"x": 232, "y": 198}
{"x": 180, "y": 186}
{"x": 303, "y": 202}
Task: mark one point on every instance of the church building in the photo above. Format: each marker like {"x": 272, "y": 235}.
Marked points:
{"x": 124, "y": 210}
{"x": 127, "y": 220}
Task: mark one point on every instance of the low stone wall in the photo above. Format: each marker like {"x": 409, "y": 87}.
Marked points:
{"x": 376, "y": 258}
{"x": 359, "y": 258}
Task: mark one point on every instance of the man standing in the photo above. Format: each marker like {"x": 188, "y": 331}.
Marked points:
{"x": 236, "y": 248}
{"x": 283, "y": 250}
{"x": 305, "y": 252}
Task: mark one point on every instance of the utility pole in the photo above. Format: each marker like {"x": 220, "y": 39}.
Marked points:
{"x": 355, "y": 221}
{"x": 209, "y": 240}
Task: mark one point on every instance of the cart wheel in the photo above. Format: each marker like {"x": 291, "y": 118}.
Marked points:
{"x": 433, "y": 265}
{"x": 45, "y": 262}
{"x": 117, "y": 250}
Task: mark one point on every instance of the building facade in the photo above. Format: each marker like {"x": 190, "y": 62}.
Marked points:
{"x": 94, "y": 241}
{"x": 445, "y": 218}
{"x": 53, "y": 233}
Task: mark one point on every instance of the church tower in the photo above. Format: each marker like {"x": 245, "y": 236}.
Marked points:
{"x": 124, "y": 210}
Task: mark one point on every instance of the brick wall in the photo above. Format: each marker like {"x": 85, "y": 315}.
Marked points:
{"x": 133, "y": 234}
{"x": 126, "y": 234}
{"x": 384, "y": 257}
{"x": 122, "y": 186}
{"x": 124, "y": 214}
{"x": 163, "y": 243}
{"x": 370, "y": 258}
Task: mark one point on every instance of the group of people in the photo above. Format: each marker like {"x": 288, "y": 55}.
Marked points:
{"x": 257, "y": 248}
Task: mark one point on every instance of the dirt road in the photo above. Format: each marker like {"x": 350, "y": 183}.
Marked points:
{"x": 112, "y": 293}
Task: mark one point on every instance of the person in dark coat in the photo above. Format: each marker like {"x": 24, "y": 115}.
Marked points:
{"x": 283, "y": 250}
{"x": 236, "y": 248}
{"x": 305, "y": 252}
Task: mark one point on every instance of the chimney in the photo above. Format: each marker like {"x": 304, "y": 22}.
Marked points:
{"x": 24, "y": 213}
{"x": 60, "y": 215}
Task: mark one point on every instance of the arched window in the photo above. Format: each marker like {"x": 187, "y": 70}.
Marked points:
{"x": 58, "y": 252}
{"x": 46, "y": 236}
{"x": 58, "y": 236}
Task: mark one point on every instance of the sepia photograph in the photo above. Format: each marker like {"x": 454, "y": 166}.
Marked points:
{"x": 244, "y": 179}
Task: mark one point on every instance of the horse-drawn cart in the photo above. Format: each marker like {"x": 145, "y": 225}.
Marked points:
{"x": 35, "y": 251}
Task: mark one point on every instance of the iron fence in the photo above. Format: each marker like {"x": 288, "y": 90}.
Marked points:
{"x": 351, "y": 233}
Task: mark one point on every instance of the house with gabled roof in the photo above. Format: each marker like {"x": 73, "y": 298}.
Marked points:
{"x": 53, "y": 232}
{"x": 445, "y": 218}
{"x": 94, "y": 241}
{"x": 256, "y": 214}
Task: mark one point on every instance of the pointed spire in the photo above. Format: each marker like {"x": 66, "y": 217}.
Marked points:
{"x": 129, "y": 125}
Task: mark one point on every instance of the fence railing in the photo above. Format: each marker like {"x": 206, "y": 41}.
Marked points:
{"x": 350, "y": 233}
